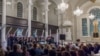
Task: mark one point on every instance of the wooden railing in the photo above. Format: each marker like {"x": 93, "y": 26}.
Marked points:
{"x": 20, "y": 22}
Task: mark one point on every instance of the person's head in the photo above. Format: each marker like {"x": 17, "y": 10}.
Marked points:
{"x": 84, "y": 48}
{"x": 30, "y": 45}
{"x": 67, "y": 47}
{"x": 81, "y": 53}
{"x": 34, "y": 45}
{"x": 78, "y": 40}
{"x": 24, "y": 48}
{"x": 16, "y": 47}
{"x": 49, "y": 47}
{"x": 73, "y": 53}
{"x": 65, "y": 53}
{"x": 62, "y": 49}
{"x": 74, "y": 48}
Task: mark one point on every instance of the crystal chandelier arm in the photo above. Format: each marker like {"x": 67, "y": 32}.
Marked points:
{"x": 63, "y": 6}
{"x": 91, "y": 16}
{"x": 78, "y": 11}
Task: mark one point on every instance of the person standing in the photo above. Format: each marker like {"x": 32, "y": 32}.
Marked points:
{"x": 2, "y": 52}
{"x": 17, "y": 51}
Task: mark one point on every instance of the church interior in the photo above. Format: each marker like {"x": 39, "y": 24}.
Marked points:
{"x": 61, "y": 21}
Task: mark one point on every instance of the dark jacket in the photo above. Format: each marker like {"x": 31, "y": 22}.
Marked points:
{"x": 15, "y": 54}
{"x": 52, "y": 53}
{"x": 32, "y": 52}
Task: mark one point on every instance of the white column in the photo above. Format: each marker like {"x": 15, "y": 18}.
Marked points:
{"x": 3, "y": 31}
{"x": 59, "y": 21}
{"x": 59, "y": 24}
{"x": 42, "y": 33}
{"x": 57, "y": 37}
{"x": 46, "y": 18}
{"x": 29, "y": 18}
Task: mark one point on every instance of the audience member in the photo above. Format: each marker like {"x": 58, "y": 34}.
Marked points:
{"x": 23, "y": 46}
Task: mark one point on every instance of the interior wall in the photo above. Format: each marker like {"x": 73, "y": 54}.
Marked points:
{"x": 53, "y": 19}
{"x": 12, "y": 10}
{"x": 86, "y": 7}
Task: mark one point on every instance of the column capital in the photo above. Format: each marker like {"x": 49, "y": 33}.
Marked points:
{"x": 30, "y": 2}
{"x": 46, "y": 3}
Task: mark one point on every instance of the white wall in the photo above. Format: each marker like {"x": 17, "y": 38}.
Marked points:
{"x": 86, "y": 7}
{"x": 53, "y": 18}
{"x": 12, "y": 10}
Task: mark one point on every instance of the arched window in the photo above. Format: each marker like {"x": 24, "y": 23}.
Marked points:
{"x": 96, "y": 13}
{"x": 84, "y": 27}
{"x": 34, "y": 13}
{"x": 19, "y": 10}
{"x": 1, "y": 6}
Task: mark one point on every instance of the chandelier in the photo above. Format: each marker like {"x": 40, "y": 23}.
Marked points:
{"x": 63, "y": 6}
{"x": 91, "y": 16}
{"x": 78, "y": 12}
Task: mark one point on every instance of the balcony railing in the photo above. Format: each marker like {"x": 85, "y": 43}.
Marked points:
{"x": 14, "y": 21}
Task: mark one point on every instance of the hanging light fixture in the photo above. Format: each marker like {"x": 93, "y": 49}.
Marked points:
{"x": 78, "y": 12}
{"x": 63, "y": 6}
{"x": 91, "y": 16}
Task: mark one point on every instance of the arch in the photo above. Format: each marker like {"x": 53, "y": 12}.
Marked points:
{"x": 87, "y": 7}
{"x": 93, "y": 7}
{"x": 1, "y": 6}
{"x": 34, "y": 13}
{"x": 95, "y": 11}
{"x": 19, "y": 9}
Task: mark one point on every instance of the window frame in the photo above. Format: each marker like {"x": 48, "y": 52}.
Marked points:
{"x": 34, "y": 17}
{"x": 19, "y": 10}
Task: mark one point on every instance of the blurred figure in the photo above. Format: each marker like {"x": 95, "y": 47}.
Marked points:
{"x": 38, "y": 50}
{"x": 78, "y": 42}
{"x": 86, "y": 50}
{"x": 73, "y": 53}
{"x": 96, "y": 48}
{"x": 16, "y": 51}
{"x": 51, "y": 52}
{"x": 46, "y": 50}
{"x": 32, "y": 50}
{"x": 25, "y": 52}
{"x": 65, "y": 53}
{"x": 2, "y": 52}
{"x": 81, "y": 53}
{"x": 8, "y": 51}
